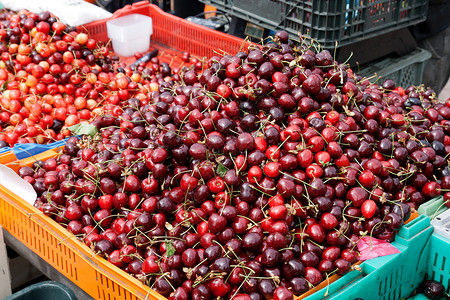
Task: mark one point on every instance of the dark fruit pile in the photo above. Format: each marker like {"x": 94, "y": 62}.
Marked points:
{"x": 253, "y": 179}
{"x": 53, "y": 77}
{"x": 432, "y": 290}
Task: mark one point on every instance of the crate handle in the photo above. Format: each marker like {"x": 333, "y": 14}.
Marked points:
{"x": 289, "y": 12}
{"x": 126, "y": 9}
{"x": 414, "y": 227}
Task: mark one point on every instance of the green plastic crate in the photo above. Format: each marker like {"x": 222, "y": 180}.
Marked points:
{"x": 405, "y": 70}
{"x": 418, "y": 297}
{"x": 438, "y": 263}
{"x": 433, "y": 207}
{"x": 424, "y": 255}
{"x": 46, "y": 290}
{"x": 328, "y": 21}
{"x": 439, "y": 260}
{"x": 388, "y": 277}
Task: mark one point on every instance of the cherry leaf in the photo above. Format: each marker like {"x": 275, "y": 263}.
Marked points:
{"x": 83, "y": 128}
{"x": 221, "y": 170}
{"x": 170, "y": 249}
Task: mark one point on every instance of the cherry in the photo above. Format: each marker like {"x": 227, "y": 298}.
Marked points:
{"x": 316, "y": 233}
{"x": 219, "y": 288}
{"x": 293, "y": 268}
{"x": 402, "y": 209}
{"x": 282, "y": 293}
{"x": 74, "y": 212}
{"x": 431, "y": 189}
{"x": 342, "y": 265}
{"x": 316, "y": 188}
{"x": 190, "y": 257}
{"x": 312, "y": 84}
{"x": 309, "y": 259}
{"x": 252, "y": 241}
{"x": 270, "y": 257}
{"x": 75, "y": 227}
{"x": 357, "y": 195}
{"x": 373, "y": 225}
{"x": 216, "y": 223}
{"x": 326, "y": 266}
{"x": 266, "y": 287}
{"x": 299, "y": 285}
{"x": 331, "y": 253}
{"x": 349, "y": 255}
{"x": 221, "y": 264}
{"x": 312, "y": 275}
{"x": 433, "y": 288}
{"x": 368, "y": 208}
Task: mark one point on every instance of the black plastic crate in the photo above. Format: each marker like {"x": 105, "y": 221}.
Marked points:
{"x": 405, "y": 70}
{"x": 328, "y": 21}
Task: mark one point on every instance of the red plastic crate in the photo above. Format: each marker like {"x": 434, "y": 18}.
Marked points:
{"x": 173, "y": 32}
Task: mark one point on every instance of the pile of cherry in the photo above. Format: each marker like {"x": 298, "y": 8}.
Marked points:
{"x": 53, "y": 77}
{"x": 253, "y": 179}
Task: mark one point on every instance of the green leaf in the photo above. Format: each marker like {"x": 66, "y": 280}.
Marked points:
{"x": 170, "y": 249}
{"x": 83, "y": 128}
{"x": 4, "y": 86}
{"x": 221, "y": 170}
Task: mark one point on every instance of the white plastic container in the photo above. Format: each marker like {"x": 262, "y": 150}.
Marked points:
{"x": 441, "y": 224}
{"x": 130, "y": 34}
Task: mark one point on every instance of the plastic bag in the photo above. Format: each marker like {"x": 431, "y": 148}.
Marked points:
{"x": 70, "y": 12}
{"x": 370, "y": 247}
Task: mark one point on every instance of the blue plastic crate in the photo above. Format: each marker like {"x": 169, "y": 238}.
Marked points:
{"x": 26, "y": 150}
{"x": 4, "y": 149}
{"x": 21, "y": 151}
